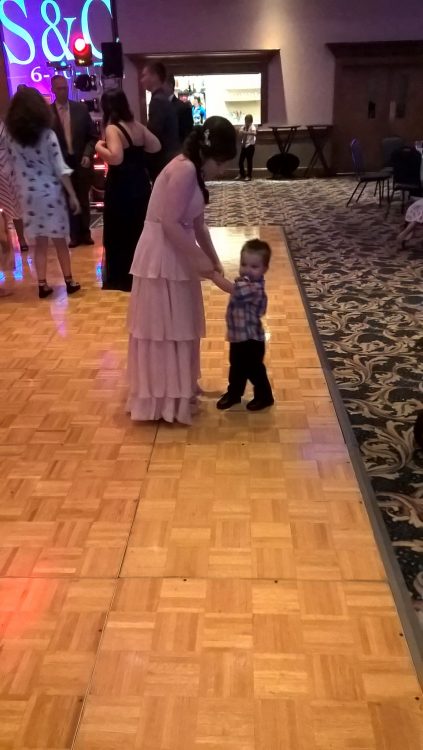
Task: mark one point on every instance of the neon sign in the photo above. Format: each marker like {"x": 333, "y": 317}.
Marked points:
{"x": 36, "y": 32}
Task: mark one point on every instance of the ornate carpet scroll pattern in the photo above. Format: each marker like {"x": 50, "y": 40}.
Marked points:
{"x": 366, "y": 295}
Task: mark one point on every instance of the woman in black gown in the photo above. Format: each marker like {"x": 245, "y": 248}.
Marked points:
{"x": 127, "y": 190}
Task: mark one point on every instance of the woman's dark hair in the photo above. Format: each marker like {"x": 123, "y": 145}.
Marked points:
{"x": 215, "y": 139}
{"x": 115, "y": 107}
{"x": 28, "y": 116}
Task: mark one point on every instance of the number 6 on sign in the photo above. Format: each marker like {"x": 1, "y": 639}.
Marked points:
{"x": 36, "y": 75}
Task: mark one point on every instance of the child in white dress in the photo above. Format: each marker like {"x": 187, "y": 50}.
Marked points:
{"x": 413, "y": 216}
{"x": 42, "y": 177}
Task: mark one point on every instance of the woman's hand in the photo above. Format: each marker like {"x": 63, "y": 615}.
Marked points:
{"x": 100, "y": 145}
{"x": 74, "y": 204}
{"x": 219, "y": 269}
{"x": 221, "y": 282}
{"x": 208, "y": 274}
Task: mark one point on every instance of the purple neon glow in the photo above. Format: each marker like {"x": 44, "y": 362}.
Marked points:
{"x": 35, "y": 32}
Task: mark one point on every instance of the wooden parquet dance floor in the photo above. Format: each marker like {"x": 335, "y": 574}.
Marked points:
{"x": 166, "y": 588}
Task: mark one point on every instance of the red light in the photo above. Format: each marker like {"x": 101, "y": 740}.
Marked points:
{"x": 80, "y": 45}
{"x": 82, "y": 52}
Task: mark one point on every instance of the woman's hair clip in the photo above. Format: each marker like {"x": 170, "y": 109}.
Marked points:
{"x": 206, "y": 138}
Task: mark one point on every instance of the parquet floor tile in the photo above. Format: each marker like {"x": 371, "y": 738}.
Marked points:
{"x": 213, "y": 587}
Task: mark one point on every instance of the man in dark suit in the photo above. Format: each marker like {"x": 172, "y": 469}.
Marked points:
{"x": 76, "y": 134}
{"x": 162, "y": 117}
{"x": 183, "y": 110}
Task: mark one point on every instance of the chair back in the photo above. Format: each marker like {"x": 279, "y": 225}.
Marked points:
{"x": 357, "y": 157}
{"x": 406, "y": 164}
{"x": 389, "y": 146}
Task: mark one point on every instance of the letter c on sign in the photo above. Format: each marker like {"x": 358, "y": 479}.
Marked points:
{"x": 85, "y": 25}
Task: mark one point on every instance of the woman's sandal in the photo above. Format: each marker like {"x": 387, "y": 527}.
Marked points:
{"x": 44, "y": 290}
{"x": 71, "y": 285}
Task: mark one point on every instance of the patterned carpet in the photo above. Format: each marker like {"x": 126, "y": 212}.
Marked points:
{"x": 366, "y": 295}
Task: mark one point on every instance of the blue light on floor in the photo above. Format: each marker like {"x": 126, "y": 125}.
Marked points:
{"x": 18, "y": 272}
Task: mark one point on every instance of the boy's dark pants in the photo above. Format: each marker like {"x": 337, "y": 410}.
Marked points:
{"x": 246, "y": 363}
{"x": 247, "y": 152}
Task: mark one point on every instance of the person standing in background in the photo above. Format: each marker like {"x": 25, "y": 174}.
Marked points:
{"x": 162, "y": 117}
{"x": 248, "y": 146}
{"x": 198, "y": 111}
{"x": 9, "y": 200}
{"x": 77, "y": 138}
{"x": 42, "y": 177}
{"x": 127, "y": 191}
{"x": 183, "y": 110}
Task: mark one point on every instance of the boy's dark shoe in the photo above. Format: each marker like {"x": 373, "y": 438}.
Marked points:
{"x": 257, "y": 404}
{"x": 226, "y": 401}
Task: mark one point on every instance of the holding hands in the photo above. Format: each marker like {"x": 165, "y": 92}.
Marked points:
{"x": 219, "y": 268}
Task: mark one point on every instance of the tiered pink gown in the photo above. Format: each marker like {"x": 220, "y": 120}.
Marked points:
{"x": 166, "y": 313}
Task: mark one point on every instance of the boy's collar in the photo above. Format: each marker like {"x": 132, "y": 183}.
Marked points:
{"x": 246, "y": 276}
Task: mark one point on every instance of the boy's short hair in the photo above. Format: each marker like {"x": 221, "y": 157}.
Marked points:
{"x": 170, "y": 79}
{"x": 260, "y": 247}
{"x": 157, "y": 68}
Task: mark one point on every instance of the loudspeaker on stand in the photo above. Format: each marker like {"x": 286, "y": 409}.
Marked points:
{"x": 112, "y": 59}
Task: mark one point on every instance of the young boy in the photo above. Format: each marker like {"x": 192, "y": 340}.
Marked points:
{"x": 246, "y": 307}
{"x": 248, "y": 146}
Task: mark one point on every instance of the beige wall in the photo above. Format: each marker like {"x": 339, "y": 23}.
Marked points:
{"x": 301, "y": 82}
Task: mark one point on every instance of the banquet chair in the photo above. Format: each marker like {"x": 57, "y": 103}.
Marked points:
{"x": 364, "y": 178}
{"x": 389, "y": 146}
{"x": 406, "y": 166}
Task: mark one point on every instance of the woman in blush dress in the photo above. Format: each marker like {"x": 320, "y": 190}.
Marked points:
{"x": 166, "y": 313}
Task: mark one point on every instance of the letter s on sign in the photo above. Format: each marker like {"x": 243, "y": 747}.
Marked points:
{"x": 19, "y": 31}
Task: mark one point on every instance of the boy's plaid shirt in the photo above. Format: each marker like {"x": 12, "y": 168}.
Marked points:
{"x": 247, "y": 305}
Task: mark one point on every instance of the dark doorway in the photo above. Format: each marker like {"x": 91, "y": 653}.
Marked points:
{"x": 378, "y": 94}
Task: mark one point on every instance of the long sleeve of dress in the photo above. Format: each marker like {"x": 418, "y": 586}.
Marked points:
{"x": 58, "y": 164}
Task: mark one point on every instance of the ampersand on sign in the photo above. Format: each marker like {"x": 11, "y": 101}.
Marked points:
{"x": 51, "y": 27}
